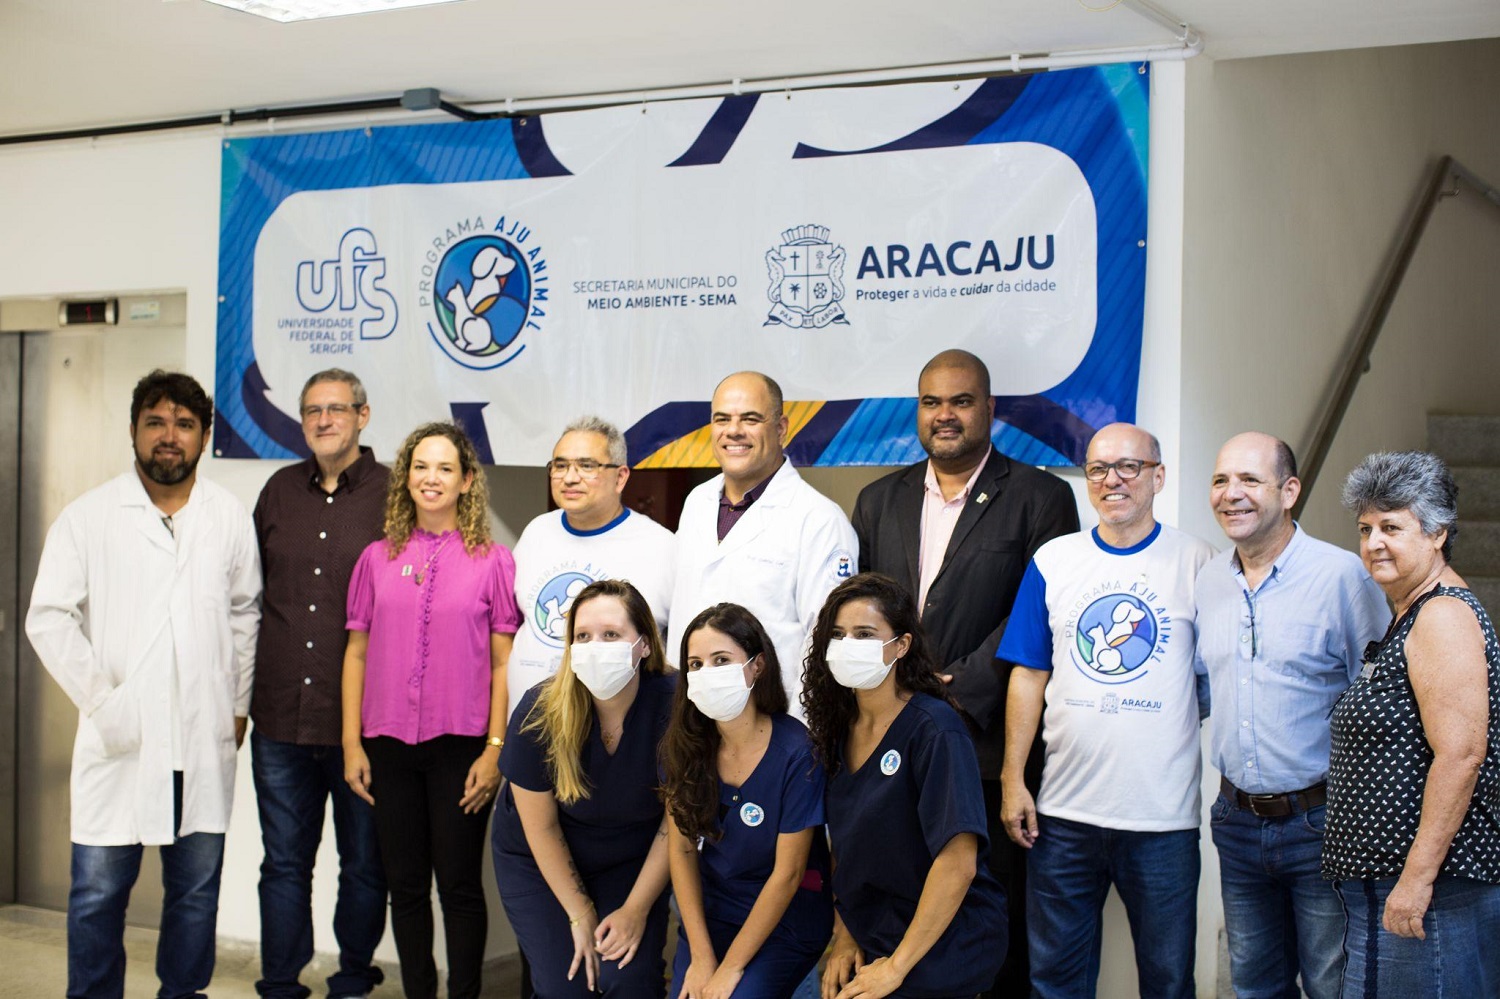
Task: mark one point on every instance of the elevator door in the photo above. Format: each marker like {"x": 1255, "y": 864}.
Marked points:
{"x": 75, "y": 423}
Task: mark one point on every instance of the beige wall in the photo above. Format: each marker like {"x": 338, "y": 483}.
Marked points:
{"x": 1301, "y": 171}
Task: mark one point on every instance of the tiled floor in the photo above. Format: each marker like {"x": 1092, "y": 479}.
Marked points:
{"x": 34, "y": 963}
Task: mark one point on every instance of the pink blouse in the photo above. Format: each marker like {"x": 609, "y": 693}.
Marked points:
{"x": 429, "y": 613}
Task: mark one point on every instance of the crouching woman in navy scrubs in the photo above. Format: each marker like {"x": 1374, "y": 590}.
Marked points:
{"x": 579, "y": 837}
{"x": 917, "y": 912}
{"x": 740, "y": 778}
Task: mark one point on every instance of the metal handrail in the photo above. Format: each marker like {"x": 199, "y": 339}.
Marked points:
{"x": 1442, "y": 183}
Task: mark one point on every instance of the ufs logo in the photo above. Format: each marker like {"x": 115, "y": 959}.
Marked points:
{"x": 353, "y": 281}
{"x": 485, "y": 293}
{"x": 1115, "y": 637}
{"x": 553, "y": 601}
{"x": 1109, "y": 704}
{"x": 807, "y": 279}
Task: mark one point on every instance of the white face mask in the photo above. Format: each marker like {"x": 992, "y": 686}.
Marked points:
{"x": 603, "y": 667}
{"x": 858, "y": 663}
{"x": 719, "y": 691}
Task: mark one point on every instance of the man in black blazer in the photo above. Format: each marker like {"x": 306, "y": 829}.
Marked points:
{"x": 994, "y": 513}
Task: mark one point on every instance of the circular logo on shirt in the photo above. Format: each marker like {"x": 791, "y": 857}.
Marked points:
{"x": 1115, "y": 636}
{"x": 890, "y": 762}
{"x": 549, "y": 615}
{"x": 752, "y": 814}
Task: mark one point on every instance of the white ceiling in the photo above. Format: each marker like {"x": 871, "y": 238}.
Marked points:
{"x": 71, "y": 63}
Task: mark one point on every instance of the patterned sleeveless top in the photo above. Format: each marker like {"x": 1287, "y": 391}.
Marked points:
{"x": 1380, "y": 761}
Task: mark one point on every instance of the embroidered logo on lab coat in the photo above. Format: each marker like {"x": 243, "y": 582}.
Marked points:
{"x": 752, "y": 814}
{"x": 890, "y": 762}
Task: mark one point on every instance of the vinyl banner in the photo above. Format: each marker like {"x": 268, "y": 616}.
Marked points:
{"x": 517, "y": 273}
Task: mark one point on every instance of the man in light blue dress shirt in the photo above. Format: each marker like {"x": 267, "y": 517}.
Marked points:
{"x": 1283, "y": 620}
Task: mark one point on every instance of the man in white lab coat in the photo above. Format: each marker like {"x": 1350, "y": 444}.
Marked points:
{"x": 758, "y": 535}
{"x": 145, "y": 611}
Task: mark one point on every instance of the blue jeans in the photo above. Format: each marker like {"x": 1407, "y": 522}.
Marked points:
{"x": 292, "y": 783}
{"x": 1281, "y": 917}
{"x": 102, "y": 879}
{"x": 1459, "y": 958}
{"x": 1069, "y": 871}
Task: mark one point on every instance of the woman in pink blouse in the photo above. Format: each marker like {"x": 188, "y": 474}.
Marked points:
{"x": 431, "y": 616}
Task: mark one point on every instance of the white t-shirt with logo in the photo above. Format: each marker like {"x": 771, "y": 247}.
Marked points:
{"x": 1115, "y": 628}
{"x": 554, "y": 562}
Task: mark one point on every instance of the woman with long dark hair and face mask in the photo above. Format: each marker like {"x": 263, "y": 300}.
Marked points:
{"x": 916, "y": 911}
{"x": 744, "y": 799}
{"x": 580, "y": 843}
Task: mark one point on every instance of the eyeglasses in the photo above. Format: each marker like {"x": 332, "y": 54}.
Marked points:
{"x": 336, "y": 411}
{"x": 1125, "y": 468}
{"x": 588, "y": 468}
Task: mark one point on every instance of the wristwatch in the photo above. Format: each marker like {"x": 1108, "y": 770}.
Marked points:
{"x": 497, "y": 741}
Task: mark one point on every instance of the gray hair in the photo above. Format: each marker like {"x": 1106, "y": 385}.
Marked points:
{"x": 1152, "y": 444}
{"x": 1407, "y": 480}
{"x": 614, "y": 441}
{"x": 349, "y": 378}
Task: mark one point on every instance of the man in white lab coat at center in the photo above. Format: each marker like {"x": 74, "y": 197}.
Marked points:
{"x": 758, "y": 535}
{"x": 145, "y": 611}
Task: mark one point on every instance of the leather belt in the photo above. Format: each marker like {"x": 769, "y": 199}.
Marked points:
{"x": 1276, "y": 806}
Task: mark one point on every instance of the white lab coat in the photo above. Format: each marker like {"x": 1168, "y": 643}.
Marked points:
{"x": 117, "y": 601}
{"x": 780, "y": 560}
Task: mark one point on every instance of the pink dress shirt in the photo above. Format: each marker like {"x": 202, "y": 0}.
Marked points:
{"x": 427, "y": 672}
{"x": 939, "y": 517}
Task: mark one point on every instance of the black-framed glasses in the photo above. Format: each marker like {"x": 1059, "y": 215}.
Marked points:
{"x": 335, "y": 410}
{"x": 1125, "y": 468}
{"x": 587, "y": 467}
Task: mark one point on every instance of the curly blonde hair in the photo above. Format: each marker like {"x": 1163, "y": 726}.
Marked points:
{"x": 473, "y": 506}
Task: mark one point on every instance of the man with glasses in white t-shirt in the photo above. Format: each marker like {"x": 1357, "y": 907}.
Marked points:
{"x": 591, "y": 536}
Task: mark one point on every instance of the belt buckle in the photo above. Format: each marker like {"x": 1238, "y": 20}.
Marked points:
{"x": 1256, "y": 800}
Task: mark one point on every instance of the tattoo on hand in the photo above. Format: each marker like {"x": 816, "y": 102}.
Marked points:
{"x": 577, "y": 878}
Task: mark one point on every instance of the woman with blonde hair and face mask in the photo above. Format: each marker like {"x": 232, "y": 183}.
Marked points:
{"x": 580, "y": 843}
{"x": 916, "y": 910}
{"x": 431, "y": 615}
{"x": 744, "y": 798}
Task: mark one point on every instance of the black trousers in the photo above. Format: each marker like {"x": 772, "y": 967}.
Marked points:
{"x": 423, "y": 833}
{"x": 1008, "y": 864}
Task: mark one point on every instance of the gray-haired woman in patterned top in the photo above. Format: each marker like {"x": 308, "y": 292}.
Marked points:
{"x": 1413, "y": 833}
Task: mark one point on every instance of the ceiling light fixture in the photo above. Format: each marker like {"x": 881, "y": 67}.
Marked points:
{"x": 308, "y": 10}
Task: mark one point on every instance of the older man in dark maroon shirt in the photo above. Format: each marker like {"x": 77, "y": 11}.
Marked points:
{"x": 313, "y": 520}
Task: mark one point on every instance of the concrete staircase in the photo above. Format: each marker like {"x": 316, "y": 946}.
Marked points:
{"x": 1471, "y": 447}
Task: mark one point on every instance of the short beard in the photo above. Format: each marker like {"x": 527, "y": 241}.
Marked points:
{"x": 957, "y": 450}
{"x": 166, "y": 475}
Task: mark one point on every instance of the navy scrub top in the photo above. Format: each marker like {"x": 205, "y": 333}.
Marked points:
{"x": 615, "y": 824}
{"x": 783, "y": 794}
{"x": 888, "y": 820}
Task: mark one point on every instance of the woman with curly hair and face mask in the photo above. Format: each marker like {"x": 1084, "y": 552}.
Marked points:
{"x": 431, "y": 615}
{"x": 916, "y": 911}
{"x": 744, "y": 798}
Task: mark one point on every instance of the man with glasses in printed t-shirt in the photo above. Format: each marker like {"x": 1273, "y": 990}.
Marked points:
{"x": 592, "y": 536}
{"x": 313, "y": 519}
{"x": 1102, "y": 635}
